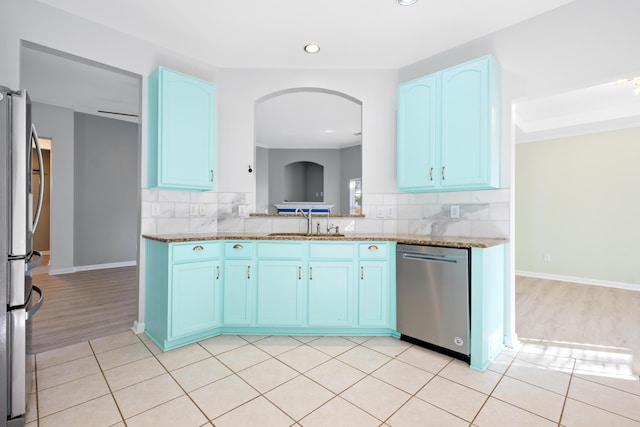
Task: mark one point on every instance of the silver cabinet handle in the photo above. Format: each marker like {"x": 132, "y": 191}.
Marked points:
{"x": 299, "y": 273}
{"x": 431, "y": 174}
{"x": 310, "y": 273}
{"x": 361, "y": 272}
{"x": 443, "y": 173}
{"x": 212, "y": 175}
{"x": 198, "y": 248}
{"x": 238, "y": 246}
{"x": 217, "y": 272}
{"x": 248, "y": 272}
{"x": 373, "y": 248}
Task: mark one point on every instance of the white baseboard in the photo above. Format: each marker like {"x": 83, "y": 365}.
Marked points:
{"x": 581, "y": 280}
{"x": 138, "y": 327}
{"x": 91, "y": 267}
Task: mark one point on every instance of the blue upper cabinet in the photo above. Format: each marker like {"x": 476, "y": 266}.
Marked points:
{"x": 182, "y": 132}
{"x": 449, "y": 129}
{"x": 417, "y": 136}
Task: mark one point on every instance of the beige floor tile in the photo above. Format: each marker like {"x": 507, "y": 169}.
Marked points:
{"x": 71, "y": 393}
{"x": 114, "y": 341}
{"x": 402, "y": 375}
{"x": 339, "y": 413}
{"x": 333, "y": 346}
{"x": 32, "y": 408}
{"x": 496, "y": 413}
{"x": 578, "y": 414}
{"x": 303, "y": 358}
{"x": 253, "y": 338}
{"x": 201, "y": 373}
{"x": 299, "y": 397}
{"x": 153, "y": 347}
{"x": 277, "y": 344}
{"x": 68, "y": 371}
{"x": 424, "y": 359}
{"x": 419, "y": 413}
{"x": 357, "y": 339}
{"x": 146, "y": 395}
{"x": 529, "y": 397}
{"x": 100, "y": 412}
{"x": 604, "y": 397}
{"x": 64, "y": 354}
{"x": 335, "y": 375}
{"x": 390, "y": 346}
{"x": 461, "y": 373}
{"x": 178, "y": 412}
{"x": 217, "y": 398}
{"x": 453, "y": 397}
{"x": 502, "y": 361}
{"x": 364, "y": 359}
{"x": 132, "y": 373}
{"x": 123, "y": 355}
{"x": 376, "y": 397}
{"x": 257, "y": 412}
{"x": 243, "y": 357}
{"x": 546, "y": 377}
{"x": 182, "y": 356}
{"x": 222, "y": 343}
{"x": 305, "y": 338}
{"x": 628, "y": 383}
{"x": 267, "y": 375}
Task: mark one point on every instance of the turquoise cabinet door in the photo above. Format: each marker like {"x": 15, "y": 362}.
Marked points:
{"x": 331, "y": 295}
{"x": 195, "y": 298}
{"x": 417, "y": 134}
{"x": 237, "y": 292}
{"x": 466, "y": 119}
{"x": 281, "y": 292}
{"x": 182, "y": 131}
{"x": 373, "y": 293}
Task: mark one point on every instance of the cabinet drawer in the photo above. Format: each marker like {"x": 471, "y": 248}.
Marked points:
{"x": 194, "y": 251}
{"x": 373, "y": 250}
{"x": 240, "y": 249}
{"x": 280, "y": 250}
{"x": 331, "y": 250}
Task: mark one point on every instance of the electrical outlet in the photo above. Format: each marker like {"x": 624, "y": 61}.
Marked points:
{"x": 193, "y": 210}
{"x": 202, "y": 210}
{"x": 242, "y": 210}
{"x": 155, "y": 209}
{"x": 380, "y": 212}
{"x": 391, "y": 212}
{"x": 455, "y": 211}
{"x": 547, "y": 257}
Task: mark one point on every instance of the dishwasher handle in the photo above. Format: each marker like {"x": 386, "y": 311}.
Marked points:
{"x": 430, "y": 257}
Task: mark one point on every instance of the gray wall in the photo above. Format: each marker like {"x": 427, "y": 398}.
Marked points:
{"x": 105, "y": 199}
{"x": 57, "y": 123}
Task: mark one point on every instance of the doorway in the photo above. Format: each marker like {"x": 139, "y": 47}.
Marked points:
{"x": 42, "y": 235}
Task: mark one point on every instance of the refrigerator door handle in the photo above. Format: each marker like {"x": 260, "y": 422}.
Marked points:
{"x": 34, "y": 136}
{"x": 32, "y": 311}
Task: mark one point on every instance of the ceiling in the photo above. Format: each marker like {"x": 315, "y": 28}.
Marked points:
{"x": 352, "y": 34}
{"x": 258, "y": 34}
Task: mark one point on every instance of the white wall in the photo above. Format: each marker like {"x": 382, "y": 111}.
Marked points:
{"x": 577, "y": 202}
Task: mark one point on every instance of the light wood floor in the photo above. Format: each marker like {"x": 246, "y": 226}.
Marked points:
{"x": 84, "y": 305}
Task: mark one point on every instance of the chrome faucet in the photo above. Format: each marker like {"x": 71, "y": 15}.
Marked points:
{"x": 308, "y": 217}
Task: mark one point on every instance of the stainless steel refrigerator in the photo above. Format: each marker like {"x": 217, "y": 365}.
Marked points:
{"x": 19, "y": 298}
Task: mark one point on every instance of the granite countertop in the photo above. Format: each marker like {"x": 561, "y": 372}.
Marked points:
{"x": 458, "y": 242}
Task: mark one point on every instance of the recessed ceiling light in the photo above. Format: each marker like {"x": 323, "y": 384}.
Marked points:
{"x": 312, "y": 48}
{"x": 406, "y": 2}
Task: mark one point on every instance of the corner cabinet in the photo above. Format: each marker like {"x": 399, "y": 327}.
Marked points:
{"x": 182, "y": 132}
{"x": 449, "y": 129}
{"x": 183, "y": 294}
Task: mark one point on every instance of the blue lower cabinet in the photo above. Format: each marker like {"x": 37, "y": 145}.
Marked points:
{"x": 373, "y": 293}
{"x": 331, "y": 294}
{"x": 238, "y": 290}
{"x": 281, "y": 293}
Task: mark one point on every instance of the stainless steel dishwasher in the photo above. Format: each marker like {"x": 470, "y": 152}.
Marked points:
{"x": 432, "y": 287}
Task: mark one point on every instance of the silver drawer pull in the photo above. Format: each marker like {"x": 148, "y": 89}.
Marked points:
{"x": 361, "y": 273}
{"x": 198, "y": 248}
{"x": 310, "y": 273}
{"x": 217, "y": 272}
{"x": 299, "y": 273}
{"x": 238, "y": 246}
{"x": 248, "y": 272}
{"x": 373, "y": 248}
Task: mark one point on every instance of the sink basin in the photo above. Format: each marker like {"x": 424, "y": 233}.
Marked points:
{"x": 305, "y": 235}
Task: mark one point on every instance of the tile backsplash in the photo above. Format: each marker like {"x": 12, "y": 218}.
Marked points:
{"x": 479, "y": 214}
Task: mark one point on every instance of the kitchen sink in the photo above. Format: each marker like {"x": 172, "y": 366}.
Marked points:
{"x": 305, "y": 235}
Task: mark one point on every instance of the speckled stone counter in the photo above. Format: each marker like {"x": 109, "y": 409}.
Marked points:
{"x": 456, "y": 242}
